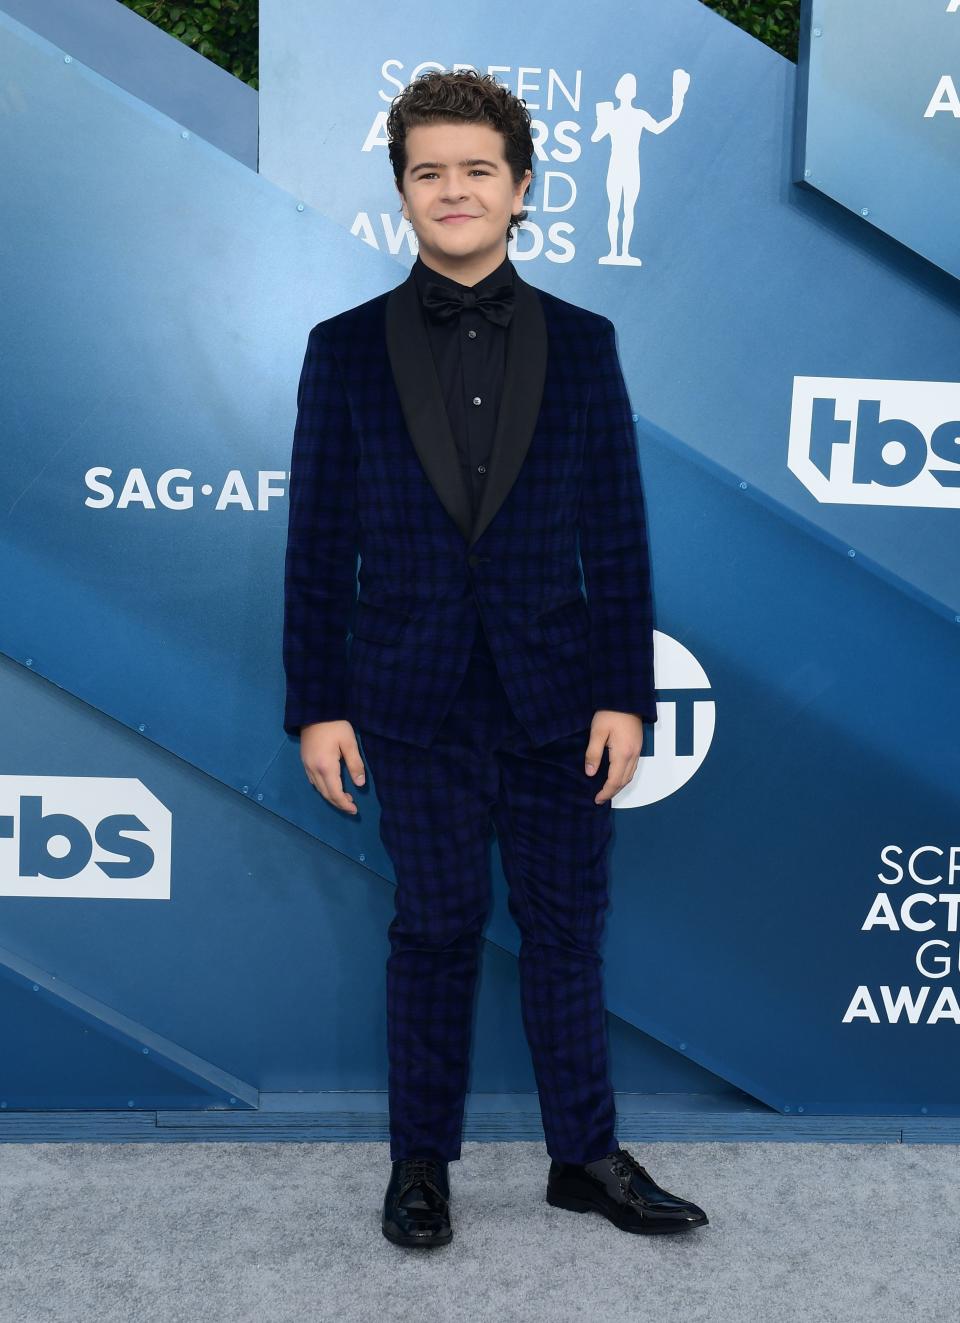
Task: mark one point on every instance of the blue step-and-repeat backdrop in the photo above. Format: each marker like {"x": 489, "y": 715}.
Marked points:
{"x": 184, "y": 921}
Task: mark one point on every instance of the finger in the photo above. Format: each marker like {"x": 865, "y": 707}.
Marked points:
{"x": 615, "y": 778}
{"x": 354, "y": 764}
{"x": 333, "y": 788}
{"x": 610, "y": 787}
{"x": 594, "y": 754}
{"x": 312, "y": 776}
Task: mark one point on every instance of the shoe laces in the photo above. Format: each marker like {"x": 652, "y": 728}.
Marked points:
{"x": 625, "y": 1164}
{"x": 414, "y": 1170}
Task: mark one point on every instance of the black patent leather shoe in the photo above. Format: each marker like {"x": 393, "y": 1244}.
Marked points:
{"x": 624, "y": 1192}
{"x": 416, "y": 1206}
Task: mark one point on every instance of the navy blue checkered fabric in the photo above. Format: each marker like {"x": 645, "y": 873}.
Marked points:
{"x": 390, "y": 657}
{"x": 436, "y": 810}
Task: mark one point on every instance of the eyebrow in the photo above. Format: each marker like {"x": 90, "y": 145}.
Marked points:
{"x": 438, "y": 165}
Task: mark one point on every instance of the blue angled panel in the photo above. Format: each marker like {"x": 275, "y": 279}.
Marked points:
{"x": 878, "y": 109}
{"x": 161, "y": 70}
{"x": 62, "y": 1048}
{"x": 149, "y": 407}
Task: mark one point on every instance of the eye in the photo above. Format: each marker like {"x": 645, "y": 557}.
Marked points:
{"x": 432, "y": 174}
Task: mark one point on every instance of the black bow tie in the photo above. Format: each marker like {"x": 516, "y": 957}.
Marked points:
{"x": 443, "y": 302}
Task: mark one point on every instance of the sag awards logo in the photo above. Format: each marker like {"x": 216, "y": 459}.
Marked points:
{"x": 922, "y": 897}
{"x": 945, "y": 98}
{"x": 676, "y": 745}
{"x": 176, "y": 489}
{"x": 91, "y": 836}
{"x": 555, "y": 110}
{"x": 859, "y": 441}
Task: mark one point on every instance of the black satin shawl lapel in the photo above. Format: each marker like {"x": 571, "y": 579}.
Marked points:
{"x": 425, "y": 413}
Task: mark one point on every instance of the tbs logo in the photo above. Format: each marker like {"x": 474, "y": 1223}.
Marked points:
{"x": 89, "y": 836}
{"x": 858, "y": 441}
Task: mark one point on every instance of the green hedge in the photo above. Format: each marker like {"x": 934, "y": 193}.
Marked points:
{"x": 225, "y": 31}
{"x": 774, "y": 22}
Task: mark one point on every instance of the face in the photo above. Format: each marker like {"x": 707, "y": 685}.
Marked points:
{"x": 460, "y": 168}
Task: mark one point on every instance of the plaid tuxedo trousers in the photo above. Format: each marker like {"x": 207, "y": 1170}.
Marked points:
{"x": 437, "y": 805}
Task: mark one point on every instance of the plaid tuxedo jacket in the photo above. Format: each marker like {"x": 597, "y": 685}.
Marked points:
{"x": 375, "y": 471}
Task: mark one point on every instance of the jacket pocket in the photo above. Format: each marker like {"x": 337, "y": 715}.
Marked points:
{"x": 567, "y": 621}
{"x": 379, "y": 624}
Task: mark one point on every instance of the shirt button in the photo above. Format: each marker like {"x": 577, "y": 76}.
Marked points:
{"x": 476, "y": 399}
{"x": 481, "y": 468}
{"x": 472, "y": 335}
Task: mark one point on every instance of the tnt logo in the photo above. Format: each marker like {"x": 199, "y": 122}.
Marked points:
{"x": 858, "y": 441}
{"x": 675, "y": 746}
{"x": 88, "y": 836}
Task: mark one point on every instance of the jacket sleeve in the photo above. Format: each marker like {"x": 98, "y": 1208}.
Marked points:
{"x": 322, "y": 542}
{"x": 613, "y": 544}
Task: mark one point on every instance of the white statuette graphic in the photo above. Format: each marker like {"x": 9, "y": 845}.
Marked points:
{"x": 624, "y": 123}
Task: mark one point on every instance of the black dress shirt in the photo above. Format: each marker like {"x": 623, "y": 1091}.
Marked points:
{"x": 469, "y": 352}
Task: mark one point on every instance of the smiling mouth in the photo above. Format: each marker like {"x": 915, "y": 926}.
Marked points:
{"x": 444, "y": 220}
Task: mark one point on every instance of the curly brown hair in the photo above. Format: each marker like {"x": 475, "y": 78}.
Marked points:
{"x": 467, "y": 97}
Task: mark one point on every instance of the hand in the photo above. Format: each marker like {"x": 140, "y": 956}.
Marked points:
{"x": 321, "y": 745}
{"x": 622, "y": 733}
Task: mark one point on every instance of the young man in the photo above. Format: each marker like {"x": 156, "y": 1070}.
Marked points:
{"x": 469, "y": 434}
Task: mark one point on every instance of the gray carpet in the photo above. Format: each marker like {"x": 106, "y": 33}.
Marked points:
{"x": 288, "y": 1231}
